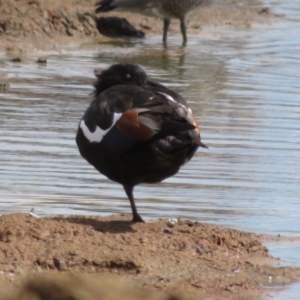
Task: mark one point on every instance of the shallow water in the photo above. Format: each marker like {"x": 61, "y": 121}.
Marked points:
{"x": 242, "y": 84}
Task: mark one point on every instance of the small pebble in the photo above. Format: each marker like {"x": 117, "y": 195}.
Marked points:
{"x": 33, "y": 214}
{"x": 167, "y": 230}
{"x": 172, "y": 222}
{"x": 4, "y": 86}
{"x": 189, "y": 223}
{"x": 265, "y": 10}
{"x": 16, "y": 59}
{"x": 42, "y": 61}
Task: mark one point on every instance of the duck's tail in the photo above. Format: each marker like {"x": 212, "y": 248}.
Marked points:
{"x": 202, "y": 145}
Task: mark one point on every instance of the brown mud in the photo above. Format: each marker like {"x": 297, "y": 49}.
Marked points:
{"x": 190, "y": 258}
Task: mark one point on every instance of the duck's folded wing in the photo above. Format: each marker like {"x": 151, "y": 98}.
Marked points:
{"x": 127, "y": 115}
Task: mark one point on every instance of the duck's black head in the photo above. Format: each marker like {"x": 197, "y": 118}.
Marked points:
{"x": 125, "y": 74}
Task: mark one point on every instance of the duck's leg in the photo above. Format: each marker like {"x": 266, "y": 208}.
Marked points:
{"x": 166, "y": 28}
{"x": 183, "y": 31}
{"x": 129, "y": 192}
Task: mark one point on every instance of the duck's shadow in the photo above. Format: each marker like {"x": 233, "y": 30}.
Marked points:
{"x": 113, "y": 226}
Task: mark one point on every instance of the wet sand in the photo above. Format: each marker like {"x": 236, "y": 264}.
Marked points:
{"x": 191, "y": 259}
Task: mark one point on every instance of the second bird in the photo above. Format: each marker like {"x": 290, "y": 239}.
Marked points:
{"x": 164, "y": 9}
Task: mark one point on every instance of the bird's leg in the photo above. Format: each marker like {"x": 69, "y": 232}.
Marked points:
{"x": 166, "y": 28}
{"x": 183, "y": 31}
{"x": 129, "y": 192}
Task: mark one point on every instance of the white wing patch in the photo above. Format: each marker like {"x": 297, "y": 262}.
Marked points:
{"x": 167, "y": 96}
{"x": 99, "y": 133}
{"x": 149, "y": 123}
{"x": 182, "y": 110}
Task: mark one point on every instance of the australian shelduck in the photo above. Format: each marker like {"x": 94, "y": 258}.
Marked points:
{"x": 136, "y": 130}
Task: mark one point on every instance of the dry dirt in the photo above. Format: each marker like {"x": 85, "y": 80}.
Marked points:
{"x": 188, "y": 261}
{"x": 199, "y": 260}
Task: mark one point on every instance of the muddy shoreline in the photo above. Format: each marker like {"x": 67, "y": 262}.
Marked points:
{"x": 194, "y": 259}
{"x": 28, "y": 25}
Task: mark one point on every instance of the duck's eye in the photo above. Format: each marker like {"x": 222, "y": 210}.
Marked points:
{"x": 128, "y": 76}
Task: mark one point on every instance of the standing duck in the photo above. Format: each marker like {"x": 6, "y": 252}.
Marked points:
{"x": 135, "y": 130}
{"x": 164, "y": 9}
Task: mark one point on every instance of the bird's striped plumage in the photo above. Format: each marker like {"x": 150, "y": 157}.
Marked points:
{"x": 164, "y": 9}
